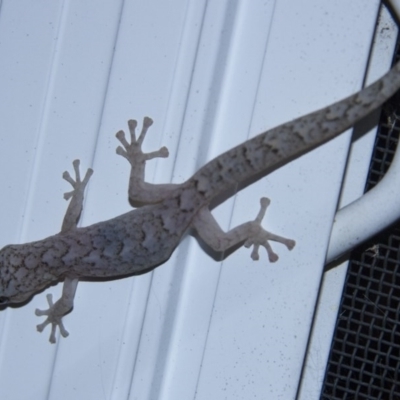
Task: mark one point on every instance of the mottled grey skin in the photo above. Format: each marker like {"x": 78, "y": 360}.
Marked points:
{"x": 140, "y": 240}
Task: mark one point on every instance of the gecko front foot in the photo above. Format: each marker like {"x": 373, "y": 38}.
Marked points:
{"x": 56, "y": 311}
{"x": 261, "y": 237}
{"x": 54, "y": 317}
{"x": 133, "y": 151}
{"x": 75, "y": 206}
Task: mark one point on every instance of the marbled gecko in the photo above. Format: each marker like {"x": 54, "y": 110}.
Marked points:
{"x": 142, "y": 239}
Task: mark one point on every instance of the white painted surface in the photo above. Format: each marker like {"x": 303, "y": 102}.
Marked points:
{"x": 353, "y": 188}
{"x": 210, "y": 74}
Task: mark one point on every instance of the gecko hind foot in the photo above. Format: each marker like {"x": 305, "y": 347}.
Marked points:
{"x": 261, "y": 237}
{"x": 53, "y": 317}
{"x": 133, "y": 151}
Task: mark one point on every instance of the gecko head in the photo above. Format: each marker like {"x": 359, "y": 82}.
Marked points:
{"x": 10, "y": 295}
{"x": 13, "y": 282}
{"x": 14, "y": 298}
{"x": 7, "y": 298}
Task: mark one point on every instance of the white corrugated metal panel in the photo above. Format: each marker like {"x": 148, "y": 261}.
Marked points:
{"x": 210, "y": 74}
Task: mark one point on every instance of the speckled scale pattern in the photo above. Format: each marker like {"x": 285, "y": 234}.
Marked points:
{"x": 273, "y": 148}
{"x": 142, "y": 239}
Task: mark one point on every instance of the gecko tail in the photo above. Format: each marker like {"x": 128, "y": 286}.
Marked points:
{"x": 267, "y": 151}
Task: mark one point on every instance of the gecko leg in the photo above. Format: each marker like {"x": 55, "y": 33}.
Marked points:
{"x": 75, "y": 206}
{"x": 250, "y": 233}
{"x": 61, "y": 307}
{"x": 56, "y": 311}
{"x": 141, "y": 192}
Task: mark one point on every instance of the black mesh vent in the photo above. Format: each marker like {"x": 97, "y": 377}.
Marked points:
{"x": 364, "y": 361}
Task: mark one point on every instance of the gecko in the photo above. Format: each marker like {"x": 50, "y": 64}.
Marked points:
{"x": 142, "y": 239}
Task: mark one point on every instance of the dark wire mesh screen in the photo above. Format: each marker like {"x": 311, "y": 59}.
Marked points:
{"x": 364, "y": 361}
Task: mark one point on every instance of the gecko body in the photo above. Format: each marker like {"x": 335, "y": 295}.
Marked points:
{"x": 140, "y": 240}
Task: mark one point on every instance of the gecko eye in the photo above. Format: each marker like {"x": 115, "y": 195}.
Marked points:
{"x": 4, "y": 300}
